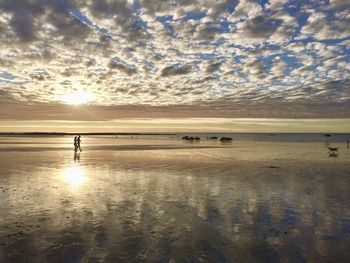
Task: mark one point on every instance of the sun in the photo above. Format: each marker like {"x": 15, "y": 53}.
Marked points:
{"x": 77, "y": 97}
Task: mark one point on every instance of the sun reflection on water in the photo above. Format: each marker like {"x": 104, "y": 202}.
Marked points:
{"x": 74, "y": 176}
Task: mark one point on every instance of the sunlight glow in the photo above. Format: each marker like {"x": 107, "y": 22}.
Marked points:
{"x": 77, "y": 97}
{"x": 74, "y": 176}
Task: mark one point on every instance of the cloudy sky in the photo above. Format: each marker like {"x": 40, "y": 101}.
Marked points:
{"x": 101, "y": 60}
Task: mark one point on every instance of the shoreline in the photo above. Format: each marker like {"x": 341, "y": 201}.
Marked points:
{"x": 165, "y": 133}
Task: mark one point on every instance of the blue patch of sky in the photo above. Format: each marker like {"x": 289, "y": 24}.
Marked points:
{"x": 140, "y": 24}
{"x": 105, "y": 33}
{"x": 81, "y": 17}
{"x": 263, "y": 3}
{"x": 200, "y": 56}
{"x": 66, "y": 82}
{"x": 221, "y": 41}
{"x": 40, "y": 70}
{"x": 294, "y": 9}
{"x": 301, "y": 20}
{"x": 345, "y": 52}
{"x": 335, "y": 41}
{"x": 230, "y": 84}
{"x": 231, "y": 8}
{"x": 77, "y": 14}
{"x": 118, "y": 60}
{"x": 346, "y": 58}
{"x": 216, "y": 93}
{"x": 304, "y": 40}
{"x": 205, "y": 56}
{"x": 216, "y": 77}
{"x": 136, "y": 5}
{"x": 164, "y": 20}
{"x": 238, "y": 59}
{"x": 194, "y": 15}
{"x": 291, "y": 60}
{"x": 17, "y": 82}
{"x": 225, "y": 92}
{"x": 149, "y": 64}
{"x": 225, "y": 26}
{"x": 7, "y": 75}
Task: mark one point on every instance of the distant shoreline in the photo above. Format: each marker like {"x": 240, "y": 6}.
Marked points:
{"x": 156, "y": 133}
{"x": 82, "y": 133}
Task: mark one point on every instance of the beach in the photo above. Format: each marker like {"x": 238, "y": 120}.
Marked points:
{"x": 168, "y": 200}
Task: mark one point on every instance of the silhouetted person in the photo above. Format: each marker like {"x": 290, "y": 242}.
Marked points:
{"x": 75, "y": 143}
{"x": 347, "y": 144}
{"x": 78, "y": 143}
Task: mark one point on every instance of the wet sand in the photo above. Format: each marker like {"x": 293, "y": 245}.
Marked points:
{"x": 170, "y": 201}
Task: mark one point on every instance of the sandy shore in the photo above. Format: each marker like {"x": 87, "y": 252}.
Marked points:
{"x": 248, "y": 202}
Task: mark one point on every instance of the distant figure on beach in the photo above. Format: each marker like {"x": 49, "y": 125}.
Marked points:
{"x": 78, "y": 143}
{"x": 347, "y": 144}
{"x": 75, "y": 143}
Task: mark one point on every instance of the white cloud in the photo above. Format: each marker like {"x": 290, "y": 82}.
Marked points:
{"x": 322, "y": 27}
{"x": 246, "y": 9}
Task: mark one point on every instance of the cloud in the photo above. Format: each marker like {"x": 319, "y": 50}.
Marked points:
{"x": 277, "y": 4}
{"x": 213, "y": 67}
{"x": 323, "y": 27}
{"x": 246, "y": 9}
{"x": 29, "y": 16}
{"x": 119, "y": 17}
{"x": 218, "y": 9}
{"x": 259, "y": 27}
{"x": 339, "y": 4}
{"x": 175, "y": 70}
{"x": 207, "y": 31}
{"x": 23, "y": 14}
{"x": 122, "y": 67}
{"x": 40, "y": 75}
{"x": 203, "y": 80}
{"x": 153, "y": 8}
{"x": 255, "y": 67}
{"x": 279, "y": 66}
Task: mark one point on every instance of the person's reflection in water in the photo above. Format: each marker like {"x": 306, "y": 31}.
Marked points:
{"x": 76, "y": 156}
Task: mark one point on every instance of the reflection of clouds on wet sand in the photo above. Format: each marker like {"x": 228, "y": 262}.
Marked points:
{"x": 158, "y": 206}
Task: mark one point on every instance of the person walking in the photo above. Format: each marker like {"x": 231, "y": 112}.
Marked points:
{"x": 78, "y": 143}
{"x": 75, "y": 143}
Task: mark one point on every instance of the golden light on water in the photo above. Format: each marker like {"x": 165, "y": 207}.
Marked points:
{"x": 74, "y": 176}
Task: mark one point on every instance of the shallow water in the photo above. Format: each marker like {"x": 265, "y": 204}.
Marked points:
{"x": 148, "y": 200}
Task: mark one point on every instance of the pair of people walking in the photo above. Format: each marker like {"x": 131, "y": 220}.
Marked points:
{"x": 77, "y": 141}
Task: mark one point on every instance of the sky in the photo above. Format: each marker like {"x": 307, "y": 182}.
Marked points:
{"x": 92, "y": 61}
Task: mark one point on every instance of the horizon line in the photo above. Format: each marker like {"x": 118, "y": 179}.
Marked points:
{"x": 158, "y": 133}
